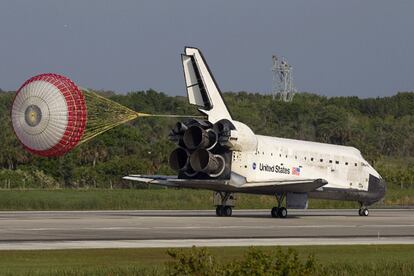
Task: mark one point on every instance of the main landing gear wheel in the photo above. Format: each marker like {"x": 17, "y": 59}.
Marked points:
{"x": 282, "y": 212}
{"x": 275, "y": 212}
{"x": 224, "y": 211}
{"x": 279, "y": 211}
{"x": 363, "y": 212}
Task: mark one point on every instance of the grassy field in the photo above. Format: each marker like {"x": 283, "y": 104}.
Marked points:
{"x": 340, "y": 260}
{"x": 69, "y": 199}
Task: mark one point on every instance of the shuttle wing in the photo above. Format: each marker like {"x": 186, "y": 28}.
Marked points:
{"x": 163, "y": 180}
{"x": 267, "y": 187}
{"x": 287, "y": 186}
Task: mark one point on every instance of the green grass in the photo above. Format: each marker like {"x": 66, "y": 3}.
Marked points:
{"x": 69, "y": 199}
{"x": 342, "y": 260}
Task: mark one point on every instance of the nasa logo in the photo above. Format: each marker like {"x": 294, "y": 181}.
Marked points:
{"x": 254, "y": 165}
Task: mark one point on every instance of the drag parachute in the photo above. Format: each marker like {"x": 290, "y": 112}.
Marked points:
{"x": 51, "y": 115}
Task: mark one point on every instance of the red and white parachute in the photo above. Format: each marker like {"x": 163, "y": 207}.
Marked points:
{"x": 49, "y": 115}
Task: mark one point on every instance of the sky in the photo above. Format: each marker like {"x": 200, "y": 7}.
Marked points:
{"x": 337, "y": 48}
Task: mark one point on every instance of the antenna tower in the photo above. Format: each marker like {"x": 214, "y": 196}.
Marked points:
{"x": 283, "y": 88}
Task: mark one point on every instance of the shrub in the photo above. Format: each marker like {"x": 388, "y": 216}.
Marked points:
{"x": 199, "y": 261}
{"x": 196, "y": 261}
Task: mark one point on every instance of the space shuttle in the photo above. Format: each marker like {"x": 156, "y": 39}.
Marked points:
{"x": 225, "y": 156}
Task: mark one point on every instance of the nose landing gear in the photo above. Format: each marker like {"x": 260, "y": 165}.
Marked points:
{"x": 363, "y": 211}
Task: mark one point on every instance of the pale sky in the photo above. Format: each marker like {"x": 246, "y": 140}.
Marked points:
{"x": 363, "y": 48}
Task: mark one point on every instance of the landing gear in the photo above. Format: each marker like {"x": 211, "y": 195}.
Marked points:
{"x": 282, "y": 212}
{"x": 363, "y": 211}
{"x": 279, "y": 211}
{"x": 275, "y": 212}
{"x": 224, "y": 211}
{"x": 224, "y": 202}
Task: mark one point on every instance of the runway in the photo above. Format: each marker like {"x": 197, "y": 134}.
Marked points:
{"x": 112, "y": 229}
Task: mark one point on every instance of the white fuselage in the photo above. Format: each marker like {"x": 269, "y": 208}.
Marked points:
{"x": 287, "y": 159}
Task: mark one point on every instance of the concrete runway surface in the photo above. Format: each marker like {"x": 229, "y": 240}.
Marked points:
{"x": 132, "y": 229}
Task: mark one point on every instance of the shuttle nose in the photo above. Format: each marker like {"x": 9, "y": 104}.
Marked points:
{"x": 377, "y": 187}
{"x": 382, "y": 187}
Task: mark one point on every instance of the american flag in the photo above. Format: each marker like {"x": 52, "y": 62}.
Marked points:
{"x": 296, "y": 171}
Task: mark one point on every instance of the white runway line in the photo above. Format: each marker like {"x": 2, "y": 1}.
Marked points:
{"x": 49, "y": 245}
{"x": 211, "y": 227}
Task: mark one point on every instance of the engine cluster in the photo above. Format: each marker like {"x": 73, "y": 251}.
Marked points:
{"x": 203, "y": 150}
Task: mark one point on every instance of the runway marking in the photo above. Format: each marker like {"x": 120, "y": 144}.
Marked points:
{"x": 211, "y": 227}
{"x": 200, "y": 242}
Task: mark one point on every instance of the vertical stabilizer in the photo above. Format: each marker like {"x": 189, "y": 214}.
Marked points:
{"x": 201, "y": 87}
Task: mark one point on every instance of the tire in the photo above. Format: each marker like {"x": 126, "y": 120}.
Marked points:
{"x": 274, "y": 212}
{"x": 227, "y": 211}
{"x": 282, "y": 212}
{"x": 360, "y": 212}
{"x": 219, "y": 211}
{"x": 365, "y": 212}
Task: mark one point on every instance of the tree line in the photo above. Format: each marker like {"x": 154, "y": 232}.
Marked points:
{"x": 382, "y": 128}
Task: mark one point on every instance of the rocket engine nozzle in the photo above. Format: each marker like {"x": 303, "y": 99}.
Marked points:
{"x": 180, "y": 128}
{"x": 179, "y": 159}
{"x": 195, "y": 137}
{"x": 177, "y": 133}
{"x": 202, "y": 160}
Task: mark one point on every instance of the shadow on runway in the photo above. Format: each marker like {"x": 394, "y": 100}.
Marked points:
{"x": 208, "y": 215}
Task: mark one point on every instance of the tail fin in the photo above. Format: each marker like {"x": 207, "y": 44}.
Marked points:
{"x": 201, "y": 86}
